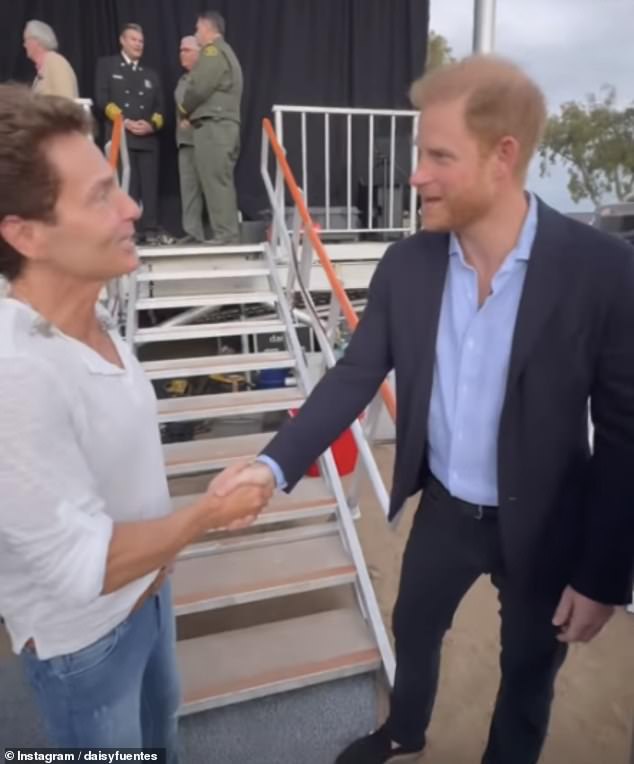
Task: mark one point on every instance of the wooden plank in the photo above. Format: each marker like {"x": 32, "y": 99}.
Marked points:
{"x": 191, "y": 408}
{"x": 203, "y": 331}
{"x": 243, "y": 664}
{"x": 197, "y": 274}
{"x": 260, "y": 572}
{"x": 217, "y": 364}
{"x": 202, "y": 300}
{"x": 190, "y": 250}
{"x": 212, "y": 453}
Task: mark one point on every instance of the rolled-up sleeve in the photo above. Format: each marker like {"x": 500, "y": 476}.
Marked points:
{"x": 52, "y": 520}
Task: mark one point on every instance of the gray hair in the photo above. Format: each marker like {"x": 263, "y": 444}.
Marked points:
{"x": 41, "y": 32}
{"x": 133, "y": 27}
{"x": 191, "y": 41}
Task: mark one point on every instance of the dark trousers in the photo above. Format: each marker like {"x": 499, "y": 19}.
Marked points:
{"x": 447, "y": 551}
{"x": 144, "y": 178}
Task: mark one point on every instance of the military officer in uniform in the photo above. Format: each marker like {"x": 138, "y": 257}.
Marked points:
{"x": 191, "y": 189}
{"x": 211, "y": 103}
{"x": 124, "y": 86}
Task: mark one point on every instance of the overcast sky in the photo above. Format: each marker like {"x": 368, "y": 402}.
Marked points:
{"x": 571, "y": 47}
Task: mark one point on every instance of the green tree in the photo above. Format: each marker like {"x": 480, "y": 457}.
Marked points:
{"x": 439, "y": 51}
{"x": 595, "y": 142}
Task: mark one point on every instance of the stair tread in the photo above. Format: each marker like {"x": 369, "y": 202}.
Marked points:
{"x": 246, "y": 575}
{"x": 273, "y": 657}
{"x": 220, "y": 329}
{"x": 192, "y": 407}
{"x": 195, "y": 274}
{"x": 216, "y": 452}
{"x": 217, "y": 364}
{"x": 201, "y": 300}
{"x": 189, "y": 250}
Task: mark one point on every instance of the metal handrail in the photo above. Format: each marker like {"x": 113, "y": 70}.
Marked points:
{"x": 117, "y": 151}
{"x": 115, "y": 141}
{"x": 348, "y": 534}
{"x": 340, "y": 120}
{"x": 311, "y": 234}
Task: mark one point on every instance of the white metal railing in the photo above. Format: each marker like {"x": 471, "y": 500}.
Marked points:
{"x": 383, "y": 190}
{"x": 365, "y": 591}
{"x": 281, "y": 238}
{"x": 298, "y": 280}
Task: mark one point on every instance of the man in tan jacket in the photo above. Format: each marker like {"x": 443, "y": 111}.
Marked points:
{"x": 55, "y": 76}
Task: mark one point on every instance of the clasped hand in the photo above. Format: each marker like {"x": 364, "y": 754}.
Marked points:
{"x": 246, "y": 488}
{"x": 138, "y": 126}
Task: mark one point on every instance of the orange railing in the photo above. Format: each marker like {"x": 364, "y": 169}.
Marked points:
{"x": 309, "y": 230}
{"x": 115, "y": 146}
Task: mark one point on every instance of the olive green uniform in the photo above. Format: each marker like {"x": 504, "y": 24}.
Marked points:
{"x": 192, "y": 203}
{"x": 211, "y": 102}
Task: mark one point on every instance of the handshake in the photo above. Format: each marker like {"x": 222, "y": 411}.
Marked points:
{"x": 239, "y": 494}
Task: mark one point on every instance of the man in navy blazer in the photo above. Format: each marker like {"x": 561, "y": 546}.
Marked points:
{"x": 505, "y": 323}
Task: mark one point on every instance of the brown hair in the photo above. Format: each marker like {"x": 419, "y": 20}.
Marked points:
{"x": 500, "y": 100}
{"x": 29, "y": 183}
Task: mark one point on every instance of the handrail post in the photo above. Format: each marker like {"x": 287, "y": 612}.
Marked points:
{"x": 311, "y": 234}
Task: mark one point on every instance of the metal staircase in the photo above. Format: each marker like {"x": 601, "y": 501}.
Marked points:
{"x": 286, "y": 604}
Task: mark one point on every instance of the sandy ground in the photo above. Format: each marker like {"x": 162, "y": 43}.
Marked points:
{"x": 594, "y": 706}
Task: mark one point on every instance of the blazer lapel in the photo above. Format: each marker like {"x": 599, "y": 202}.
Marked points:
{"x": 427, "y": 291}
{"x": 543, "y": 288}
{"x": 434, "y": 276}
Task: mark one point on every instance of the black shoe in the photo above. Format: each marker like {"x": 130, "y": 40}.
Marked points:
{"x": 377, "y": 748}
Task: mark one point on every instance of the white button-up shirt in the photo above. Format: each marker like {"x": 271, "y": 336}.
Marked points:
{"x": 80, "y": 450}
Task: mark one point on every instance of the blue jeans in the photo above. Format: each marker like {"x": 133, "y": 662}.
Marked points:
{"x": 120, "y": 692}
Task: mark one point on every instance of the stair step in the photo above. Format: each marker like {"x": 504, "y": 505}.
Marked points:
{"x": 310, "y": 499}
{"x": 212, "y": 453}
{"x": 205, "y": 300}
{"x": 215, "y": 272}
{"x": 189, "y": 250}
{"x": 202, "y": 331}
{"x": 262, "y": 572}
{"x": 191, "y": 408}
{"x": 220, "y": 542}
{"x": 243, "y": 664}
{"x": 217, "y": 364}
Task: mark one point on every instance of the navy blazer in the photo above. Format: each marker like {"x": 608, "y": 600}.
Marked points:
{"x": 137, "y": 92}
{"x": 566, "y": 515}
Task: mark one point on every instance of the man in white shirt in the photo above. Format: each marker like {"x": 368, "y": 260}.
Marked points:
{"x": 86, "y": 533}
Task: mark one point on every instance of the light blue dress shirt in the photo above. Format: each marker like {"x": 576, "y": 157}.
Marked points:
{"x": 473, "y": 350}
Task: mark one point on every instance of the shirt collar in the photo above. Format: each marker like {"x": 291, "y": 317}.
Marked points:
{"x": 38, "y": 326}
{"x": 129, "y": 61}
{"x": 522, "y": 250}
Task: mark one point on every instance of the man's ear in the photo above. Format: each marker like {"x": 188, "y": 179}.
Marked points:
{"x": 507, "y": 153}
{"x": 22, "y": 235}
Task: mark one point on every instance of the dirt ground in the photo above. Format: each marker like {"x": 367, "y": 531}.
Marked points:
{"x": 594, "y": 706}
